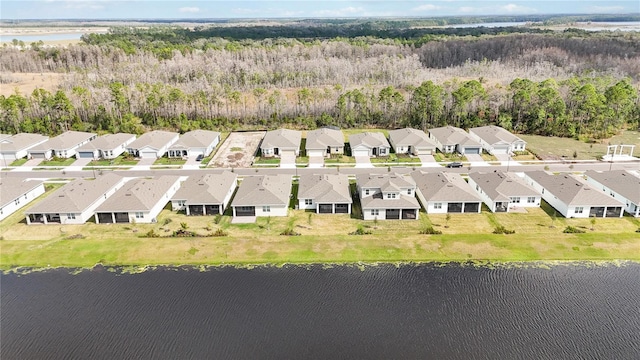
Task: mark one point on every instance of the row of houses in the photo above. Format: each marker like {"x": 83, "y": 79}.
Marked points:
{"x": 447, "y": 139}
{"x": 115, "y": 199}
{"x": 153, "y": 144}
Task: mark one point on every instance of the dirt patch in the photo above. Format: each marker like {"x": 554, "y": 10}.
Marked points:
{"x": 238, "y": 149}
{"x": 25, "y": 83}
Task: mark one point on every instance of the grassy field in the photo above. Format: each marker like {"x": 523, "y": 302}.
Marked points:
{"x": 549, "y": 147}
{"x": 324, "y": 238}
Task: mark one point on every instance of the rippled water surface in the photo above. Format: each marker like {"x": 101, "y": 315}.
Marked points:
{"x": 411, "y": 312}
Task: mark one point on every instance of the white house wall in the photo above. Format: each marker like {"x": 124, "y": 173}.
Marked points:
{"x": 275, "y": 211}
{"x": 25, "y": 198}
{"x": 629, "y": 206}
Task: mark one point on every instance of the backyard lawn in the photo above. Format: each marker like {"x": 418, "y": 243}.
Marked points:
{"x": 554, "y": 148}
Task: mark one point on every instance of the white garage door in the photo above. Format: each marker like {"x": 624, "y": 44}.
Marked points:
{"x": 148, "y": 154}
{"x": 38, "y": 155}
{"x": 423, "y": 151}
{"x": 86, "y": 154}
{"x": 315, "y": 153}
{"x": 500, "y": 150}
{"x": 472, "y": 150}
{"x": 361, "y": 153}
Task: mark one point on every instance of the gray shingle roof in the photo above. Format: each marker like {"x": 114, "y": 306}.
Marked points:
{"x": 206, "y": 188}
{"x": 403, "y": 202}
{"x": 495, "y": 135}
{"x": 449, "y": 135}
{"x": 106, "y": 142}
{"x": 411, "y": 137}
{"x": 76, "y": 196}
{"x": 326, "y": 188}
{"x": 139, "y": 194}
{"x": 12, "y": 188}
{"x": 385, "y": 182}
{"x": 154, "y": 139}
{"x": 263, "y": 190}
{"x": 282, "y": 139}
{"x": 196, "y": 139}
{"x": 21, "y": 141}
{"x": 368, "y": 139}
{"x": 570, "y": 190}
{"x": 500, "y": 185}
{"x": 64, "y": 141}
{"x": 620, "y": 181}
{"x": 445, "y": 187}
{"x": 322, "y": 138}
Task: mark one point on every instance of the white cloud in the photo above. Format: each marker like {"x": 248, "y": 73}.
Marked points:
{"x": 427, "y": 7}
{"x": 513, "y": 8}
{"x": 347, "y": 11}
{"x": 505, "y": 9}
{"x": 189, "y": 9}
{"x": 467, "y": 9}
{"x": 605, "y": 9}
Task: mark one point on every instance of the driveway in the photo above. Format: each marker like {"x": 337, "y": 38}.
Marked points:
{"x": 288, "y": 161}
{"x": 475, "y": 160}
{"x": 363, "y": 162}
{"x": 238, "y": 150}
{"x": 428, "y": 161}
{"x": 79, "y": 164}
{"x": 145, "y": 163}
{"x": 191, "y": 163}
{"x": 316, "y": 162}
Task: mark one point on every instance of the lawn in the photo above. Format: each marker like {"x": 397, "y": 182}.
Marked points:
{"x": 169, "y": 161}
{"x": 266, "y": 161}
{"x": 447, "y": 157}
{"x": 19, "y": 162}
{"x": 58, "y": 162}
{"x": 340, "y": 159}
{"x": 120, "y": 160}
{"x": 396, "y": 158}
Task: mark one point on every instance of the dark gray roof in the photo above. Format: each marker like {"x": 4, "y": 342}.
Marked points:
{"x": 449, "y": 135}
{"x": 445, "y": 187}
{"x": 325, "y": 188}
{"x": 495, "y": 135}
{"x": 206, "y": 188}
{"x": 154, "y": 139}
{"x": 570, "y": 190}
{"x": 411, "y": 137}
{"x": 12, "y": 188}
{"x": 324, "y": 137}
{"x": 196, "y": 139}
{"x": 620, "y": 181}
{"x": 21, "y": 141}
{"x": 500, "y": 186}
{"x": 106, "y": 142}
{"x": 139, "y": 194}
{"x": 282, "y": 139}
{"x": 76, "y": 196}
{"x": 368, "y": 139}
{"x": 64, "y": 141}
{"x": 263, "y": 190}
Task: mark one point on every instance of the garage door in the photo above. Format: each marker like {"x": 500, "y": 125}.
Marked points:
{"x": 315, "y": 153}
{"x": 500, "y": 150}
{"x": 86, "y": 154}
{"x": 148, "y": 154}
{"x": 361, "y": 153}
{"x": 423, "y": 151}
{"x": 472, "y": 150}
{"x": 37, "y": 155}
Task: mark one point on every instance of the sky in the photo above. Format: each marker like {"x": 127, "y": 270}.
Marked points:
{"x": 217, "y": 9}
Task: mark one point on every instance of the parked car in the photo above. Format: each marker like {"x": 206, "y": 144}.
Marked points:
{"x": 454, "y": 165}
{"x": 199, "y": 157}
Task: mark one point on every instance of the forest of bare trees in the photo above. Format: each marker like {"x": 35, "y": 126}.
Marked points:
{"x": 568, "y": 85}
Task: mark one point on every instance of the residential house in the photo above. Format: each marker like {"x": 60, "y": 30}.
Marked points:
{"x": 324, "y": 142}
{"x": 451, "y": 139}
{"x": 108, "y": 146}
{"x": 16, "y": 146}
{"x": 206, "y": 194}
{"x": 387, "y": 196}
{"x": 411, "y": 141}
{"x": 281, "y": 142}
{"x": 496, "y": 140}
{"x": 138, "y": 201}
{"x": 442, "y": 193}
{"x": 62, "y": 146}
{"x": 75, "y": 202}
{"x": 16, "y": 193}
{"x": 194, "y": 143}
{"x": 571, "y": 197}
{"x": 265, "y": 195}
{"x": 369, "y": 144}
{"x": 503, "y": 192}
{"x": 152, "y": 145}
{"x": 620, "y": 185}
{"x": 325, "y": 194}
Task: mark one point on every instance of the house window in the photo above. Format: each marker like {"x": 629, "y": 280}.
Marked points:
{"x": 477, "y": 187}
{"x": 139, "y": 215}
{"x": 308, "y": 201}
{"x": 17, "y": 201}
{"x": 515, "y": 199}
{"x": 182, "y": 202}
{"x": 531, "y": 199}
{"x": 408, "y": 191}
{"x": 579, "y": 210}
{"x": 391, "y": 196}
{"x": 71, "y": 216}
{"x": 375, "y": 212}
{"x": 366, "y": 191}
{"x": 437, "y": 205}
{"x": 383, "y": 151}
{"x": 266, "y": 208}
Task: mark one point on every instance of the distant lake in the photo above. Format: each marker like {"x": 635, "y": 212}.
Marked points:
{"x": 28, "y": 39}
{"x": 382, "y": 312}
{"x": 488, "y": 25}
